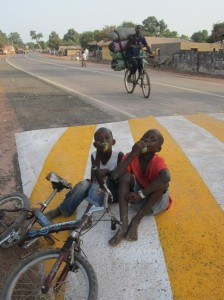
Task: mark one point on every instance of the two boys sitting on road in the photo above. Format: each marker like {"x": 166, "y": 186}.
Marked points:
{"x": 139, "y": 178}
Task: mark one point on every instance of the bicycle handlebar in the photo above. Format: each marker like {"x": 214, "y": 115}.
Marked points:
{"x": 102, "y": 183}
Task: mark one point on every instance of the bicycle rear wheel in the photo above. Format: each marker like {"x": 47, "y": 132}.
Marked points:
{"x": 130, "y": 86}
{"x": 145, "y": 84}
{"x": 11, "y": 221}
{"x": 27, "y": 279}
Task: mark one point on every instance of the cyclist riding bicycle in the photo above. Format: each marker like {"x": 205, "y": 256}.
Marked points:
{"x": 136, "y": 42}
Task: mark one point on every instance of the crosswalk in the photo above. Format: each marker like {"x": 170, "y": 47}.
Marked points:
{"x": 179, "y": 254}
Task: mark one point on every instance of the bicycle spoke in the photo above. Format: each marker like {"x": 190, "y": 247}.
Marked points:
{"x": 76, "y": 282}
{"x": 145, "y": 84}
{"x": 8, "y": 217}
{"x": 129, "y": 85}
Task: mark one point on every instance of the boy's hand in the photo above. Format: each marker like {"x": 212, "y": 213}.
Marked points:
{"x": 103, "y": 172}
{"x": 137, "y": 148}
{"x": 133, "y": 197}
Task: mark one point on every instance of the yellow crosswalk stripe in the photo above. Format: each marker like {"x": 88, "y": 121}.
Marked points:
{"x": 68, "y": 158}
{"x": 192, "y": 231}
{"x": 214, "y": 126}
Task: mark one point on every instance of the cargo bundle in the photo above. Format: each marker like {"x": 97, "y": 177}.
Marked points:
{"x": 118, "y": 46}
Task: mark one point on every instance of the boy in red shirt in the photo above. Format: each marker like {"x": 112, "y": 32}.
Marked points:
{"x": 143, "y": 181}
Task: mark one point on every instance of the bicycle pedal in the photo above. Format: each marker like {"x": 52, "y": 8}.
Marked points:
{"x": 28, "y": 253}
{"x": 26, "y": 245}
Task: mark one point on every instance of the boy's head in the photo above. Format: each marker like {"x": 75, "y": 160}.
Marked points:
{"x": 103, "y": 140}
{"x": 154, "y": 140}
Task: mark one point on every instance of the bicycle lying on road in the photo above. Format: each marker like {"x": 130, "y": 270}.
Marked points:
{"x": 54, "y": 273}
{"x": 138, "y": 79}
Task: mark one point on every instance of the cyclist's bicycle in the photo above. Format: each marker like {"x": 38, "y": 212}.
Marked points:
{"x": 138, "y": 79}
{"x": 54, "y": 273}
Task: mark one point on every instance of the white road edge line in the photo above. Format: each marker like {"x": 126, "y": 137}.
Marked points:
{"x": 75, "y": 91}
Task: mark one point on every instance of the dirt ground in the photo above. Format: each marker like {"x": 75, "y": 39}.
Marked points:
{"x": 27, "y": 103}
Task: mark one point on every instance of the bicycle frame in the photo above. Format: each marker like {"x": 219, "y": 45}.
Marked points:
{"x": 130, "y": 81}
{"x": 48, "y": 227}
{"x": 64, "y": 255}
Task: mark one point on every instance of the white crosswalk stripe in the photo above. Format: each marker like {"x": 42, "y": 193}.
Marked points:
{"x": 141, "y": 270}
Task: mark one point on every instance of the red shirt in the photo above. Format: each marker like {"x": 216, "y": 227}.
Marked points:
{"x": 155, "y": 165}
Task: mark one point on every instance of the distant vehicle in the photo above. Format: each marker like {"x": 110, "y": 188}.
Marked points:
{"x": 3, "y": 52}
{"x": 20, "y": 51}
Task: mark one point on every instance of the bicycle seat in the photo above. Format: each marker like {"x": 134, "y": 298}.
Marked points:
{"x": 58, "y": 182}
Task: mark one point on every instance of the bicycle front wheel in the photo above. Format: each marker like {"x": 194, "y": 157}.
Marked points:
{"x": 129, "y": 84}
{"x": 10, "y": 221}
{"x": 145, "y": 84}
{"x": 27, "y": 280}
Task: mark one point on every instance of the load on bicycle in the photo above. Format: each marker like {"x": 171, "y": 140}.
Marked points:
{"x": 127, "y": 53}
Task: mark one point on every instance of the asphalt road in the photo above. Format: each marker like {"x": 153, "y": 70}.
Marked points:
{"x": 104, "y": 88}
{"x": 191, "y": 234}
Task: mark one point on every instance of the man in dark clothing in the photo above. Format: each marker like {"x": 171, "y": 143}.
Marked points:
{"x": 136, "y": 42}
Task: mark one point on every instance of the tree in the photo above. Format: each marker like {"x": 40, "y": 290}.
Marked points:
{"x": 170, "y": 34}
{"x": 128, "y": 24}
{"x": 3, "y": 39}
{"x": 36, "y": 36}
{"x": 100, "y": 35}
{"x": 200, "y": 36}
{"x": 31, "y": 45}
{"x": 217, "y": 32}
{"x": 151, "y": 25}
{"x": 184, "y": 37}
{"x": 71, "y": 37}
{"x": 54, "y": 41}
{"x": 15, "y": 40}
{"x": 43, "y": 44}
{"x": 164, "y": 29}
{"x": 85, "y": 38}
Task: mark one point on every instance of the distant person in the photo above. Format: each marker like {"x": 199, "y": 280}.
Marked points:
{"x": 87, "y": 53}
{"x": 135, "y": 43}
{"x": 83, "y": 59}
{"x": 143, "y": 182}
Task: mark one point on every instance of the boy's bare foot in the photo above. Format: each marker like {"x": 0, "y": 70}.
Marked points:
{"x": 118, "y": 237}
{"x": 132, "y": 234}
{"x": 51, "y": 214}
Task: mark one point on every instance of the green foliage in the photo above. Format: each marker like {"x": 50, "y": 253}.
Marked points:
{"x": 128, "y": 24}
{"x": 170, "y": 34}
{"x": 71, "y": 37}
{"x": 184, "y": 37}
{"x": 217, "y": 32}
{"x": 15, "y": 40}
{"x": 85, "y": 38}
{"x": 103, "y": 34}
{"x": 151, "y": 26}
{"x": 3, "y": 39}
{"x": 54, "y": 41}
{"x": 31, "y": 45}
{"x": 200, "y": 36}
{"x": 36, "y": 36}
{"x": 43, "y": 44}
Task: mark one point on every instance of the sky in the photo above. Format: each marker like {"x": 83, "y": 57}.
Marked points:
{"x": 45, "y": 16}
